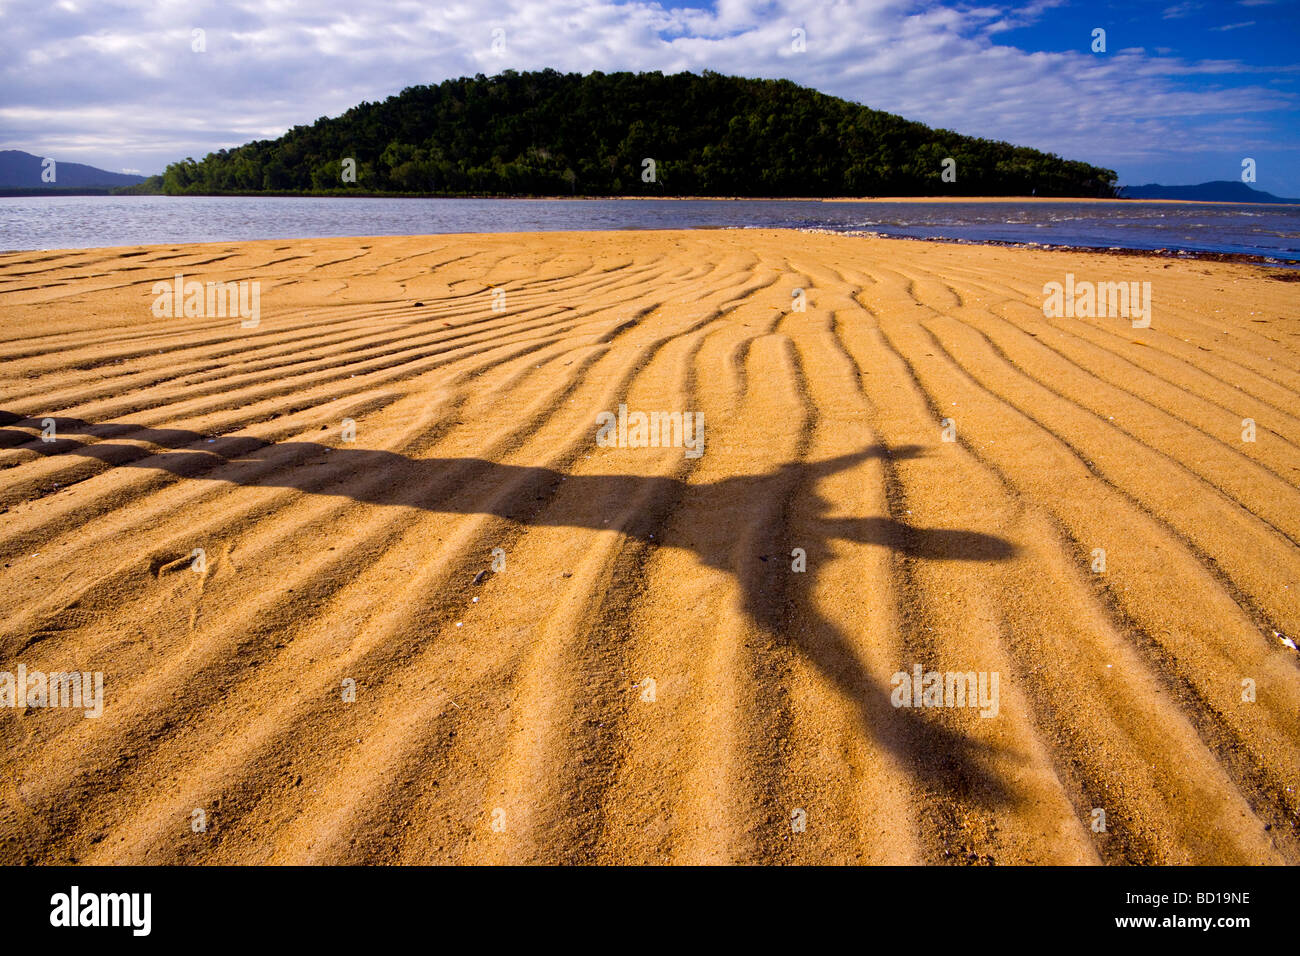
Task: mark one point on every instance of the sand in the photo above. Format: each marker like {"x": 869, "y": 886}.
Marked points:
{"x": 640, "y": 674}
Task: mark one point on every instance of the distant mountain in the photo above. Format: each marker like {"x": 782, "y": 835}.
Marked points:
{"x": 1221, "y": 190}
{"x": 629, "y": 134}
{"x": 19, "y": 170}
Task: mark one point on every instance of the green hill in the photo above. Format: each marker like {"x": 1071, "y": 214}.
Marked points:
{"x": 550, "y": 133}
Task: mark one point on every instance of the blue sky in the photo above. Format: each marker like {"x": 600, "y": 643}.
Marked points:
{"x": 1183, "y": 92}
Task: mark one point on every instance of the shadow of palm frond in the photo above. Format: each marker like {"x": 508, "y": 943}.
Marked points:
{"x": 938, "y": 756}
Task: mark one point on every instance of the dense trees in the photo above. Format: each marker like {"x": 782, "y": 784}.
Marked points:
{"x": 549, "y": 133}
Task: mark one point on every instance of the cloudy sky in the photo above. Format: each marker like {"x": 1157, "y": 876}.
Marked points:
{"x": 1183, "y": 92}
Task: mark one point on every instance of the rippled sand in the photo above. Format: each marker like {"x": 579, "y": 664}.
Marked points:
{"x": 639, "y": 674}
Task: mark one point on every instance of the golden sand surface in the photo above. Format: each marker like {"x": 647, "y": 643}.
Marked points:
{"x": 474, "y": 634}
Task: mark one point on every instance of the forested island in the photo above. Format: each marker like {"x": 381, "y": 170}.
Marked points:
{"x": 627, "y": 134}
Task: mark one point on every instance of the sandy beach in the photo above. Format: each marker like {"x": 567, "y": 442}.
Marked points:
{"x": 364, "y": 586}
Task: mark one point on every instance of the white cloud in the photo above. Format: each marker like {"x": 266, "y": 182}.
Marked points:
{"x": 120, "y": 83}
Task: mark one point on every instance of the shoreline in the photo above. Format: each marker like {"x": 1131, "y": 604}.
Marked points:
{"x": 91, "y": 192}
{"x": 1125, "y": 251}
{"x": 1196, "y": 255}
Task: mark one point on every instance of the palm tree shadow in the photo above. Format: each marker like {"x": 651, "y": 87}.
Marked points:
{"x": 779, "y": 602}
{"x": 937, "y": 756}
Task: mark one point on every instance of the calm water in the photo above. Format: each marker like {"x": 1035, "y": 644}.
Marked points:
{"x": 86, "y": 221}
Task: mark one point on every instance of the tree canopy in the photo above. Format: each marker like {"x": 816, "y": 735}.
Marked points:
{"x": 550, "y": 133}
